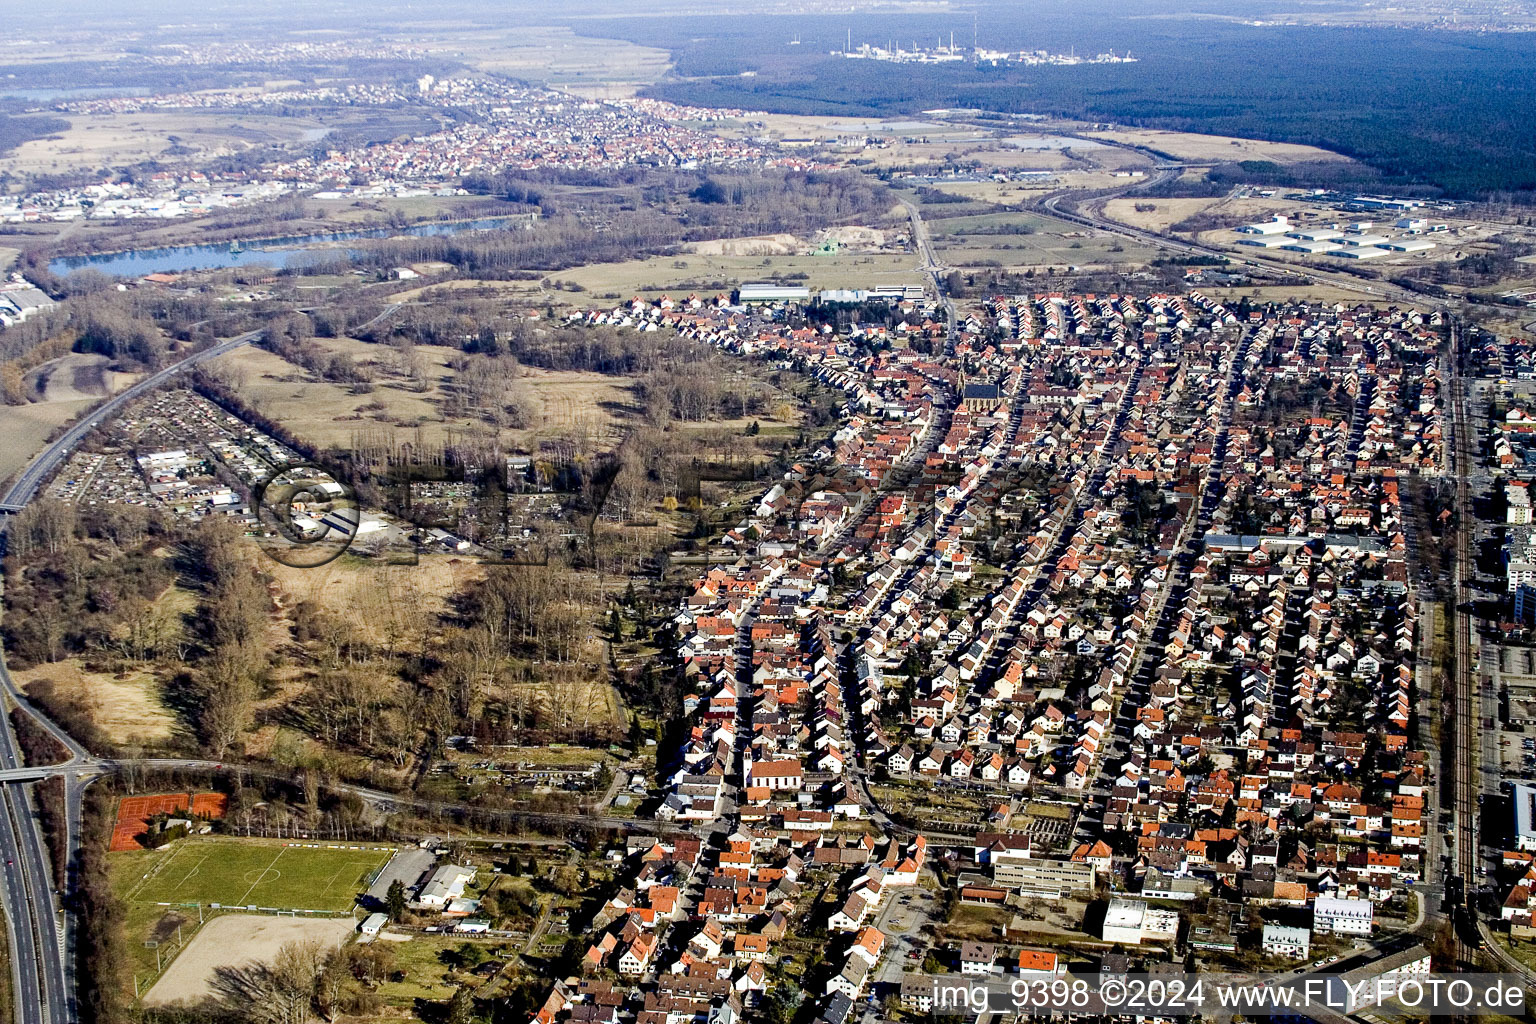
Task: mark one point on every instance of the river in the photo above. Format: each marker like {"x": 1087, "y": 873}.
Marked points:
{"x": 275, "y": 252}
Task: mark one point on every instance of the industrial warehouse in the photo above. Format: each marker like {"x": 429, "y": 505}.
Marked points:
{"x": 1356, "y": 241}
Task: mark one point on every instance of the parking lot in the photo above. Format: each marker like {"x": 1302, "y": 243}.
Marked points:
{"x": 1514, "y": 688}
{"x": 902, "y": 919}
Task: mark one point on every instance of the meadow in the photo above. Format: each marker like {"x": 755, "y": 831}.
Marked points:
{"x": 1024, "y": 240}
{"x": 326, "y": 413}
{"x": 705, "y": 274}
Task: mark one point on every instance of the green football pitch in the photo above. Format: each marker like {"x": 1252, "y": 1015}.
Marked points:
{"x": 265, "y": 875}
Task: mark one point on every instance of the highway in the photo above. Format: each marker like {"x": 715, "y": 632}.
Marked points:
{"x": 52, "y": 457}
{"x": 30, "y": 911}
{"x": 41, "y": 934}
{"x": 29, "y": 890}
{"x": 26, "y": 965}
{"x": 1165, "y": 172}
{"x": 26, "y": 485}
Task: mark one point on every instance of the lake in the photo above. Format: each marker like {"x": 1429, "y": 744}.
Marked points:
{"x": 274, "y": 252}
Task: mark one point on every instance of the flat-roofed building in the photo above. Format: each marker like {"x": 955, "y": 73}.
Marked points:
{"x": 753, "y": 294}
{"x": 171, "y": 461}
{"x": 1354, "y": 990}
{"x": 1288, "y": 941}
{"x": 1313, "y": 247}
{"x": 1049, "y": 879}
{"x": 1132, "y": 922}
{"x": 1332, "y": 915}
{"x": 1518, "y": 494}
{"x": 1316, "y": 234}
{"x": 1122, "y": 921}
{"x": 1278, "y": 226}
{"x": 1525, "y": 817}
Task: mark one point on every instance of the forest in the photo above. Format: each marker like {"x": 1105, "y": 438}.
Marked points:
{"x": 1449, "y": 110}
{"x": 510, "y": 658}
{"x": 16, "y": 130}
{"x": 598, "y": 217}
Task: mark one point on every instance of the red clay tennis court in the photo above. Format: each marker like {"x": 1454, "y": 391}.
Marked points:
{"x": 135, "y": 812}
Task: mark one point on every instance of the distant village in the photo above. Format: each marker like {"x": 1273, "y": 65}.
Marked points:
{"x": 507, "y": 126}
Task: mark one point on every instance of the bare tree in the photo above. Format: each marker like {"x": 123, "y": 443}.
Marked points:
{"x": 228, "y": 703}
{"x": 286, "y": 991}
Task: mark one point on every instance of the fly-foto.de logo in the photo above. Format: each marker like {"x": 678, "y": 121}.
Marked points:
{"x": 305, "y": 515}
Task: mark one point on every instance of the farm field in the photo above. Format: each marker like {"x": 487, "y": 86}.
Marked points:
{"x": 372, "y": 211}
{"x": 98, "y": 140}
{"x": 906, "y": 142}
{"x": 993, "y": 153}
{"x": 235, "y": 940}
{"x": 998, "y": 193}
{"x": 375, "y": 599}
{"x": 1163, "y": 212}
{"x": 818, "y": 128}
{"x": 78, "y": 375}
{"x": 240, "y": 874}
{"x": 26, "y": 429}
{"x": 556, "y": 54}
{"x": 127, "y": 707}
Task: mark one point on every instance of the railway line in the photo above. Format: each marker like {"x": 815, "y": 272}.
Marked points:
{"x": 1464, "y": 883}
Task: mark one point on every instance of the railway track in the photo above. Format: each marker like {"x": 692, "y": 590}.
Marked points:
{"x": 1460, "y": 893}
